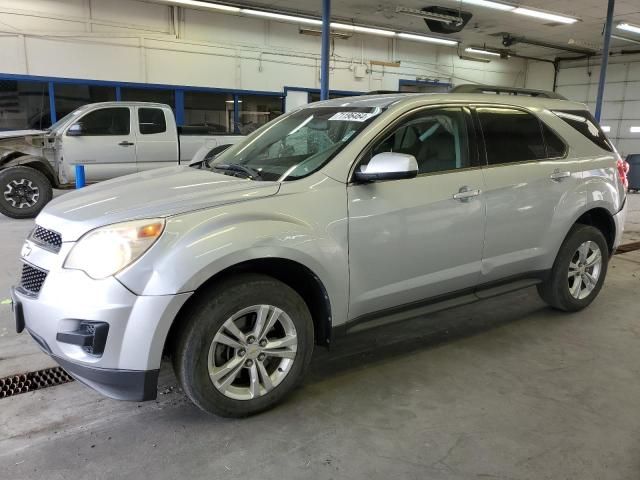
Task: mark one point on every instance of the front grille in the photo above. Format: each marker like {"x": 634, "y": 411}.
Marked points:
{"x": 32, "y": 279}
{"x": 47, "y": 238}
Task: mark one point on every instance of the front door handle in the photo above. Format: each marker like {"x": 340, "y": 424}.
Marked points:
{"x": 557, "y": 175}
{"x": 126, "y": 144}
{"x": 465, "y": 193}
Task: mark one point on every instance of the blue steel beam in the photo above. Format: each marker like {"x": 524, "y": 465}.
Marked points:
{"x": 605, "y": 59}
{"x": 324, "y": 55}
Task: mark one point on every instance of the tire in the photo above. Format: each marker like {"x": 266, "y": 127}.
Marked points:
{"x": 559, "y": 290}
{"x": 200, "y": 350}
{"x": 24, "y": 191}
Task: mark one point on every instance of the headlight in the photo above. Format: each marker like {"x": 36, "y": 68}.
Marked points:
{"x": 107, "y": 250}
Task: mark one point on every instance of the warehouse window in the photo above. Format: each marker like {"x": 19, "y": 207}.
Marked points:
{"x": 149, "y": 95}
{"x": 207, "y": 113}
{"x": 511, "y": 135}
{"x": 151, "y": 120}
{"x": 256, "y": 110}
{"x": 583, "y": 122}
{"x": 24, "y": 105}
{"x": 68, "y": 97}
{"x": 106, "y": 121}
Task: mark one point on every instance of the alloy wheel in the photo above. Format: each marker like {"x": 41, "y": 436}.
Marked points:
{"x": 21, "y": 193}
{"x": 584, "y": 270}
{"x": 252, "y": 352}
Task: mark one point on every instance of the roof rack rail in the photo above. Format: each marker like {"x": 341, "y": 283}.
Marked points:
{"x": 470, "y": 88}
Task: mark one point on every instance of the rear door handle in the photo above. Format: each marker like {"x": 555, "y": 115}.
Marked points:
{"x": 126, "y": 144}
{"x": 558, "y": 175}
{"x": 465, "y": 193}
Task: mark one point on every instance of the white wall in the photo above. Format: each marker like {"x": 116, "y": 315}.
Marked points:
{"x": 136, "y": 41}
{"x": 621, "y": 108}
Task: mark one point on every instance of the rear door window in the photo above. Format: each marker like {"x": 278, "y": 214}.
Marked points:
{"x": 583, "y": 122}
{"x": 151, "y": 120}
{"x": 556, "y": 148}
{"x": 511, "y": 135}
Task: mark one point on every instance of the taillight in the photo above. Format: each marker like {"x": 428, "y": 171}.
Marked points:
{"x": 623, "y": 169}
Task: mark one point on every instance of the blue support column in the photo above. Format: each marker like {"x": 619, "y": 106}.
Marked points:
{"x": 52, "y": 104}
{"x": 80, "y": 178}
{"x": 605, "y": 59}
{"x": 180, "y": 107}
{"x": 324, "y": 55}
{"x": 118, "y": 94}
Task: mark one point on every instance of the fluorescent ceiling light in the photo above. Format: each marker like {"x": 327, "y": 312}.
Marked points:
{"x": 488, "y": 4}
{"x": 606, "y": 128}
{"x": 356, "y": 28}
{"x": 280, "y": 16}
{"x": 197, "y": 3}
{"x": 422, "y": 38}
{"x": 628, "y": 27}
{"x": 482, "y": 52}
{"x": 554, "y": 17}
{"x": 634, "y": 129}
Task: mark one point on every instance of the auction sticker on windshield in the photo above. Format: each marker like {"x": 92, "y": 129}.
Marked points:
{"x": 353, "y": 116}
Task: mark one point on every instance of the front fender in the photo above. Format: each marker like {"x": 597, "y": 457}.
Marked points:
{"x": 199, "y": 245}
{"x": 39, "y": 163}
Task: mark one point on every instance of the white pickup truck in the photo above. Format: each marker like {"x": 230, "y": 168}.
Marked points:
{"x": 110, "y": 139}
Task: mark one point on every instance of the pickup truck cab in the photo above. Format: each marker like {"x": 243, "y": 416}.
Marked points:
{"x": 110, "y": 139}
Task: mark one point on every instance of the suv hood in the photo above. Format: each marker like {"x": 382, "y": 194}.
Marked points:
{"x": 152, "y": 194}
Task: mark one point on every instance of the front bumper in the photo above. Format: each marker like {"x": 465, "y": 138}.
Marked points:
{"x": 127, "y": 366}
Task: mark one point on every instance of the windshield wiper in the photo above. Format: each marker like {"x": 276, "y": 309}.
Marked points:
{"x": 251, "y": 173}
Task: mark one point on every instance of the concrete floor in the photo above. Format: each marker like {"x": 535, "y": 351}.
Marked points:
{"x": 504, "y": 389}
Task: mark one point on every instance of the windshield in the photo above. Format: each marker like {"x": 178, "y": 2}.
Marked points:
{"x": 295, "y": 145}
{"x": 63, "y": 120}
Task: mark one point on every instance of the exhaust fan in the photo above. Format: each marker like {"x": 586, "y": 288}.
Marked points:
{"x": 438, "y": 26}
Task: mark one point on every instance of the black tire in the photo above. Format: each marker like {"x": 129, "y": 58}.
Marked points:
{"x": 555, "y": 289}
{"x": 204, "y": 318}
{"x": 33, "y": 180}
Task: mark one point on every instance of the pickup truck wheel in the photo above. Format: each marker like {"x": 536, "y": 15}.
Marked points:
{"x": 578, "y": 271}
{"x": 246, "y": 343}
{"x": 24, "y": 192}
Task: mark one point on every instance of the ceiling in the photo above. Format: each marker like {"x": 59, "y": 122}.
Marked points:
{"x": 486, "y": 24}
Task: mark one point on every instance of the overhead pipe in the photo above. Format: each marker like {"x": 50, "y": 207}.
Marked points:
{"x": 605, "y": 59}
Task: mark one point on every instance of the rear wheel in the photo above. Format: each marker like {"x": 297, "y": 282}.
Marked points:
{"x": 579, "y": 270}
{"x": 246, "y": 344}
{"x": 24, "y": 192}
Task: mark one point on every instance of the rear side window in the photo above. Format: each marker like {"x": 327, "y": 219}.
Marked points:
{"x": 583, "y": 122}
{"x": 106, "y": 121}
{"x": 511, "y": 135}
{"x": 555, "y": 145}
{"x": 151, "y": 121}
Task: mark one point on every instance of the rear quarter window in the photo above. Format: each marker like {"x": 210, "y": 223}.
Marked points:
{"x": 583, "y": 122}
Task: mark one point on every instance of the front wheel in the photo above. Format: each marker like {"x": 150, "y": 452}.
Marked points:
{"x": 579, "y": 270}
{"x": 24, "y": 192}
{"x": 245, "y": 345}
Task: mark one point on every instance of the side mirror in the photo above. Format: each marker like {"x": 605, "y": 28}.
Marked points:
{"x": 75, "y": 130}
{"x": 388, "y": 166}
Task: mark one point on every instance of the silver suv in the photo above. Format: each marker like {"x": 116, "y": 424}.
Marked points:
{"x": 336, "y": 217}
